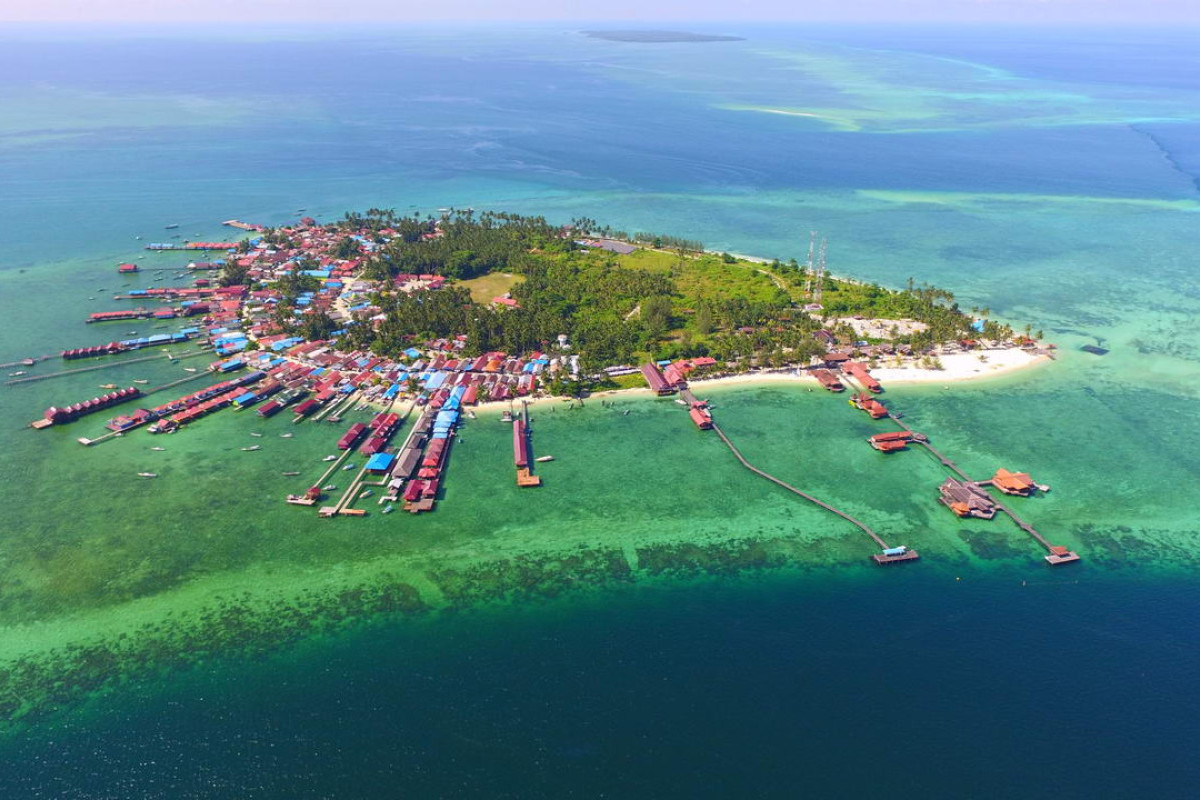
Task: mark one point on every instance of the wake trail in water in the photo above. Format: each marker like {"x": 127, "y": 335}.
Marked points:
{"x": 1194, "y": 180}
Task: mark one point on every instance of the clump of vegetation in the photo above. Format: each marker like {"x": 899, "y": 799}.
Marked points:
{"x": 667, "y": 300}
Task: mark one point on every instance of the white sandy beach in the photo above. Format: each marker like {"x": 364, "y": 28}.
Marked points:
{"x": 956, "y": 367}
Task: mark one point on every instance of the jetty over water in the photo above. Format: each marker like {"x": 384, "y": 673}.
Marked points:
{"x": 887, "y": 555}
{"x": 1055, "y": 554}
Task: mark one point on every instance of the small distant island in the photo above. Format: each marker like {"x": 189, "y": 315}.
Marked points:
{"x": 659, "y": 37}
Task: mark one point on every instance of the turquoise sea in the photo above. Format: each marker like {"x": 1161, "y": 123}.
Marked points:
{"x": 654, "y": 622}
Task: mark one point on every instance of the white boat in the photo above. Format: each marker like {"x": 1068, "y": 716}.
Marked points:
{"x": 286, "y": 435}
{"x": 365, "y": 494}
{"x": 135, "y": 380}
{"x": 158, "y": 449}
{"x": 329, "y": 458}
{"x": 544, "y": 458}
{"x": 15, "y": 374}
{"x": 348, "y": 467}
{"x": 388, "y": 509}
{"x": 291, "y": 474}
{"x": 252, "y": 448}
{"x": 147, "y": 474}
{"x": 329, "y": 488}
{"x": 189, "y": 369}
{"x": 259, "y": 435}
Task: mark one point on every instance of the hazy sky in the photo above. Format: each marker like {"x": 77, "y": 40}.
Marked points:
{"x": 1020, "y": 11}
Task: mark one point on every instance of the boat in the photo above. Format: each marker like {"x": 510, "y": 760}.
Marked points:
{"x": 388, "y": 509}
{"x": 109, "y": 386}
{"x": 147, "y": 474}
{"x": 158, "y": 449}
{"x": 506, "y": 417}
{"x": 329, "y": 458}
{"x": 15, "y": 374}
{"x": 172, "y": 226}
{"x": 252, "y": 433}
{"x": 189, "y": 369}
{"x": 329, "y": 488}
{"x": 252, "y": 448}
{"x": 681, "y": 401}
{"x": 286, "y": 435}
{"x": 137, "y": 381}
{"x": 290, "y": 474}
{"x": 471, "y": 414}
{"x": 544, "y": 458}
{"x": 348, "y": 467}
{"x": 365, "y": 494}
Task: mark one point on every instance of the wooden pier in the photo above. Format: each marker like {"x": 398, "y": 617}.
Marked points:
{"x": 1055, "y": 554}
{"x": 887, "y": 555}
{"x": 110, "y": 365}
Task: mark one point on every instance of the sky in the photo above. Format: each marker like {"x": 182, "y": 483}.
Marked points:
{"x": 1146, "y": 12}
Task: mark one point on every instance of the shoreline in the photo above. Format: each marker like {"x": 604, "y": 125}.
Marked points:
{"x": 957, "y": 368}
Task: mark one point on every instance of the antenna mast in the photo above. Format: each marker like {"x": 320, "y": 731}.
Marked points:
{"x": 820, "y": 273}
{"x": 808, "y": 283}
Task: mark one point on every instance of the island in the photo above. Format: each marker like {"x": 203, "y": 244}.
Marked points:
{"x": 363, "y": 354}
{"x": 658, "y": 37}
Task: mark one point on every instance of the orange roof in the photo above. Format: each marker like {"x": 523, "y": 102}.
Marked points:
{"x": 1013, "y": 480}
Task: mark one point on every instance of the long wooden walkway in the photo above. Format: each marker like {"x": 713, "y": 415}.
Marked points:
{"x": 1055, "y": 552}
{"x": 109, "y": 365}
{"x": 903, "y": 554}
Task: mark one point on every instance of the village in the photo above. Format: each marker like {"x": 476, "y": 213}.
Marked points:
{"x": 276, "y": 307}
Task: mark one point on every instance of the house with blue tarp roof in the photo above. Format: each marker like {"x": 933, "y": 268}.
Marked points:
{"x": 412, "y": 352}
{"x": 380, "y": 462}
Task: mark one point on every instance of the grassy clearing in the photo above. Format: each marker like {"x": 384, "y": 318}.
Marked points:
{"x": 494, "y": 284}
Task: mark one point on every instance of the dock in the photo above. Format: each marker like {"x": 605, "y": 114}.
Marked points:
{"x": 521, "y": 456}
{"x": 887, "y": 554}
{"x": 1055, "y": 554}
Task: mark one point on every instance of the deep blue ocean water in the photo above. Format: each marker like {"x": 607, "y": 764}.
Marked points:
{"x": 1049, "y": 174}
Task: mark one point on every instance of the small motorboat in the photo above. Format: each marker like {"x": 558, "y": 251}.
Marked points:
{"x": 286, "y": 435}
{"x": 108, "y": 386}
{"x": 252, "y": 448}
{"x": 329, "y": 458}
{"x": 189, "y": 369}
{"x": 15, "y": 374}
{"x": 329, "y": 488}
{"x": 388, "y": 509}
{"x": 147, "y": 474}
{"x": 158, "y": 449}
{"x": 259, "y": 435}
{"x": 135, "y": 380}
{"x": 172, "y": 226}
{"x": 348, "y": 467}
{"x": 544, "y": 458}
{"x": 290, "y": 474}
{"x": 366, "y": 494}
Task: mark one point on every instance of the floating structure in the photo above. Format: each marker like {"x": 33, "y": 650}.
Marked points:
{"x": 865, "y": 402}
{"x": 126, "y": 269}
{"x": 124, "y": 346}
{"x": 701, "y": 415}
{"x": 828, "y": 380}
{"x": 60, "y": 415}
{"x": 191, "y": 245}
{"x": 116, "y": 316}
{"x": 1015, "y": 483}
{"x": 892, "y": 441}
{"x": 967, "y": 499}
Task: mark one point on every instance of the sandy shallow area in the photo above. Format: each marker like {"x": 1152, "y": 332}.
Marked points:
{"x": 956, "y": 367}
